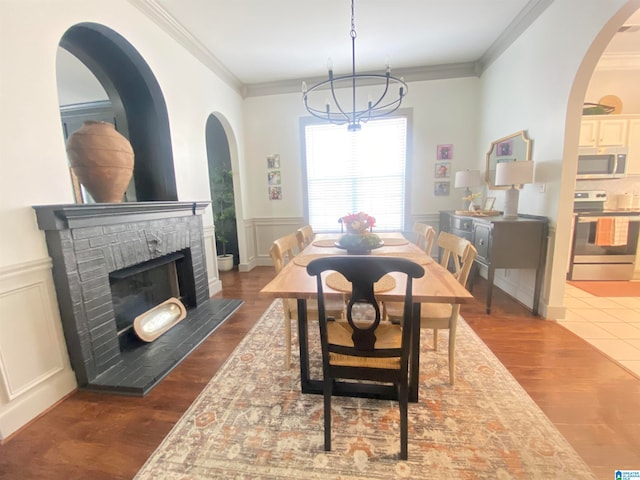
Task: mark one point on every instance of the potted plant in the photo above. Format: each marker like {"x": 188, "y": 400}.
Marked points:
{"x": 224, "y": 216}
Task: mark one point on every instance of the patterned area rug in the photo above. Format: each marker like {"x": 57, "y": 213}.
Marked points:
{"x": 251, "y": 421}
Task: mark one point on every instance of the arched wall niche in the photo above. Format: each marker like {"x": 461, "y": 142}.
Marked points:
{"x": 137, "y": 101}
{"x": 221, "y": 153}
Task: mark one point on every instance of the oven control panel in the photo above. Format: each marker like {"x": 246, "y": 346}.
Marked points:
{"x": 589, "y": 200}
{"x": 590, "y": 196}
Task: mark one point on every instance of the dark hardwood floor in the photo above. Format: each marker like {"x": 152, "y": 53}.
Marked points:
{"x": 591, "y": 400}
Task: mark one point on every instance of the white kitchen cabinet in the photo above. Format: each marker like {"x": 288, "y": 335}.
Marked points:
{"x": 633, "y": 142}
{"x": 589, "y": 132}
{"x": 603, "y": 132}
{"x": 612, "y": 132}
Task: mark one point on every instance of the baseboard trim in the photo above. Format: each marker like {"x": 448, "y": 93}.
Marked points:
{"x": 36, "y": 402}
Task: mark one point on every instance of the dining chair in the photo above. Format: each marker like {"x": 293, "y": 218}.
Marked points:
{"x": 425, "y": 236}
{"x": 363, "y": 347}
{"x": 460, "y": 254}
{"x": 282, "y": 251}
{"x": 305, "y": 236}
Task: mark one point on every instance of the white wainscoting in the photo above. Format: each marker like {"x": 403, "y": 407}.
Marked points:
{"x": 249, "y": 262}
{"x": 211, "y": 260}
{"x": 266, "y": 230}
{"x": 34, "y": 365}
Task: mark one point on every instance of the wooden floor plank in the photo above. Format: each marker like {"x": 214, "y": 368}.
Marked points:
{"x": 594, "y": 402}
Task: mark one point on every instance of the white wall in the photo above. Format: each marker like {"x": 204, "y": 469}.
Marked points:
{"x": 442, "y": 112}
{"x": 34, "y": 164}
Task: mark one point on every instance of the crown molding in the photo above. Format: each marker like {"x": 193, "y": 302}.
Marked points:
{"x": 523, "y": 20}
{"x": 618, "y": 61}
{"x": 436, "y": 72}
{"x": 153, "y": 10}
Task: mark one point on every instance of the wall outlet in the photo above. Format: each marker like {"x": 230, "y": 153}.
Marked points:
{"x": 542, "y": 187}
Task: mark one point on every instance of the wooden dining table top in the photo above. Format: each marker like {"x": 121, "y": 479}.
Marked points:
{"x": 438, "y": 285}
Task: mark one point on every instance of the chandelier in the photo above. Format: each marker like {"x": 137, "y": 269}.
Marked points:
{"x": 333, "y": 111}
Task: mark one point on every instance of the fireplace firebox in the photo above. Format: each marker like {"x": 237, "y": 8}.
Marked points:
{"x": 112, "y": 262}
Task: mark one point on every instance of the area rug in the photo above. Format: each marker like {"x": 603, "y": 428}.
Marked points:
{"x": 252, "y": 422}
{"x": 609, "y": 289}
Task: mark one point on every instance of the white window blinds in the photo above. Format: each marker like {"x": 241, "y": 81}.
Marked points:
{"x": 349, "y": 172}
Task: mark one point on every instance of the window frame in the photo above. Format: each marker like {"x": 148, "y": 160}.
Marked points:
{"x": 401, "y": 113}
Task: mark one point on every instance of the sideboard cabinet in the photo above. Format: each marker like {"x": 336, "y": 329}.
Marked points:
{"x": 503, "y": 243}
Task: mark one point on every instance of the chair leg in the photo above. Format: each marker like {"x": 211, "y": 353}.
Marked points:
{"x": 452, "y": 350}
{"x": 328, "y": 390}
{"x": 403, "y": 400}
{"x": 287, "y": 342}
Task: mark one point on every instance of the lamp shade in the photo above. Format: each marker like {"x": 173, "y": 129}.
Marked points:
{"x": 467, "y": 178}
{"x": 514, "y": 173}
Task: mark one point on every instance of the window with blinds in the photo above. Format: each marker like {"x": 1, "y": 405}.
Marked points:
{"x": 348, "y": 172}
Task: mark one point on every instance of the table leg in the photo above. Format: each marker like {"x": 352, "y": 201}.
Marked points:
{"x": 303, "y": 341}
{"x": 414, "y": 355}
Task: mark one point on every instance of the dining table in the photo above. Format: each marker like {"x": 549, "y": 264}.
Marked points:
{"x": 438, "y": 285}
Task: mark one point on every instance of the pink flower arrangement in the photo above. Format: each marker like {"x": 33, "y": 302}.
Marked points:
{"x": 358, "y": 223}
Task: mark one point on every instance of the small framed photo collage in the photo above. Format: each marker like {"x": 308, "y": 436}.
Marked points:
{"x": 442, "y": 170}
{"x": 274, "y": 177}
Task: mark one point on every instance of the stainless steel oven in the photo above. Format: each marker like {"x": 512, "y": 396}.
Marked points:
{"x": 591, "y": 258}
{"x": 592, "y": 261}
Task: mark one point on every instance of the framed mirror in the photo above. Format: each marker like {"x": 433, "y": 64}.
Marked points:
{"x": 513, "y": 147}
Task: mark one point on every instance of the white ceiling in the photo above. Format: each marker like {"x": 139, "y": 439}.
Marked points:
{"x": 254, "y": 44}
{"x": 262, "y": 41}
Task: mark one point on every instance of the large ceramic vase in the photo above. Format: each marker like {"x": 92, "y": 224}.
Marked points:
{"x": 102, "y": 159}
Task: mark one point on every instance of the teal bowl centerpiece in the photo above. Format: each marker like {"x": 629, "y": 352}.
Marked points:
{"x": 359, "y": 239}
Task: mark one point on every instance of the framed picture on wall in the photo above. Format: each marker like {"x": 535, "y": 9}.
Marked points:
{"x": 441, "y": 189}
{"x": 273, "y": 177}
{"x": 273, "y": 161}
{"x": 444, "y": 152}
{"x": 442, "y": 170}
{"x": 275, "y": 193}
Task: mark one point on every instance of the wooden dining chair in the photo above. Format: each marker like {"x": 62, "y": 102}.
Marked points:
{"x": 425, "y": 236}
{"x": 460, "y": 254}
{"x": 305, "y": 236}
{"x": 362, "y": 347}
{"x": 282, "y": 251}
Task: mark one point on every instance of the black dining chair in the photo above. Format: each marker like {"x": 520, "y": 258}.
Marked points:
{"x": 363, "y": 347}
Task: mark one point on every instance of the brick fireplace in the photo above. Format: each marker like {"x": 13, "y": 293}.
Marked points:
{"x": 95, "y": 246}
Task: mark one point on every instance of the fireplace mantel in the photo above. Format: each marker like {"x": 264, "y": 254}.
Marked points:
{"x": 69, "y": 216}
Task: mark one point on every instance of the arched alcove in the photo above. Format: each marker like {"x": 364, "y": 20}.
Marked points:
{"x": 137, "y": 101}
{"x": 221, "y": 187}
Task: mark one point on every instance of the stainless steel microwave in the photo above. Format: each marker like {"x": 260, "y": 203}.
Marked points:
{"x": 594, "y": 163}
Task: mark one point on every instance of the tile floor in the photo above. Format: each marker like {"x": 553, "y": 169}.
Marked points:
{"x": 611, "y": 324}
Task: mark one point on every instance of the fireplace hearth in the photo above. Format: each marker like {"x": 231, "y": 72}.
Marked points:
{"x": 113, "y": 261}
